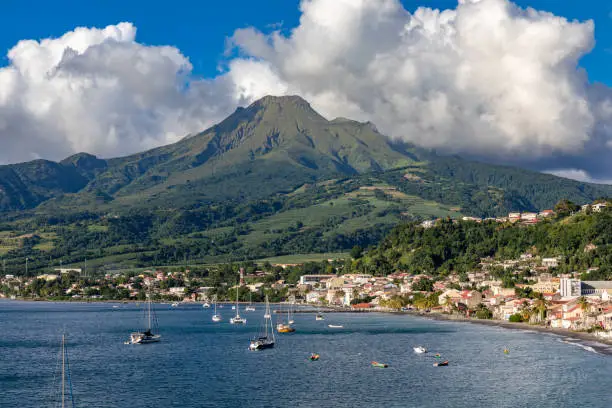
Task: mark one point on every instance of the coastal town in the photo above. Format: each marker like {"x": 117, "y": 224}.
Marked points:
{"x": 536, "y": 293}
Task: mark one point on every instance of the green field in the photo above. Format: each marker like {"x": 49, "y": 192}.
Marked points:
{"x": 302, "y": 258}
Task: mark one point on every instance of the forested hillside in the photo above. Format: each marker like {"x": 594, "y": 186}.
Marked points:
{"x": 582, "y": 241}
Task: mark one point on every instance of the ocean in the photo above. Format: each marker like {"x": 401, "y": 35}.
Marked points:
{"x": 204, "y": 364}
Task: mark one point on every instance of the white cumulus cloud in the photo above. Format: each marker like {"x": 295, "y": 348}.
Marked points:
{"x": 486, "y": 79}
{"x": 99, "y": 91}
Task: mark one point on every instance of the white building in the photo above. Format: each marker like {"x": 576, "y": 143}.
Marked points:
{"x": 68, "y": 270}
{"x": 314, "y": 279}
{"x": 570, "y": 287}
{"x": 550, "y": 262}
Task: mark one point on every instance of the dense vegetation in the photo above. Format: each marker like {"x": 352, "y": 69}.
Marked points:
{"x": 582, "y": 241}
{"x": 275, "y": 178}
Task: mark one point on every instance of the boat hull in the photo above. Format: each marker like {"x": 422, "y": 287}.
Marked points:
{"x": 142, "y": 338}
{"x": 261, "y": 345}
{"x": 283, "y": 328}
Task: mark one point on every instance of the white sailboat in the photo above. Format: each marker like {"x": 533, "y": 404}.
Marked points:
{"x": 250, "y": 307}
{"x": 237, "y": 319}
{"x": 216, "y": 317}
{"x": 65, "y": 397}
{"x": 146, "y": 336}
{"x": 266, "y": 338}
{"x": 290, "y": 315}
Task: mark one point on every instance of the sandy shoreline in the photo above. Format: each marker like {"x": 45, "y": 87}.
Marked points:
{"x": 603, "y": 346}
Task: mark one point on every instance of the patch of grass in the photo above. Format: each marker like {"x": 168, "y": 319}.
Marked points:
{"x": 302, "y": 258}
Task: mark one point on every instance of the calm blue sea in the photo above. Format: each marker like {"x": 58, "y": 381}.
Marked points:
{"x": 206, "y": 364}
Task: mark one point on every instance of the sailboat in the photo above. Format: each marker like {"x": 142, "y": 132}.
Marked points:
{"x": 319, "y": 315}
{"x": 285, "y": 328}
{"x": 146, "y": 336}
{"x": 290, "y": 315}
{"x": 65, "y": 397}
{"x": 237, "y": 319}
{"x": 250, "y": 307}
{"x": 216, "y": 317}
{"x": 266, "y": 338}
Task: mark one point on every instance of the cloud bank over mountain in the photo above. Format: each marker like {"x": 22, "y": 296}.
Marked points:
{"x": 486, "y": 79}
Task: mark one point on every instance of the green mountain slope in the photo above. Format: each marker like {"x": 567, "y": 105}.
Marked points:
{"x": 274, "y": 178}
{"x": 272, "y": 147}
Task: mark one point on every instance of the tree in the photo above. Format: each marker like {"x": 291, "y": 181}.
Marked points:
{"x": 565, "y": 207}
{"x": 423, "y": 285}
{"x": 356, "y": 252}
{"x": 483, "y": 312}
{"x": 516, "y": 318}
{"x": 540, "y": 306}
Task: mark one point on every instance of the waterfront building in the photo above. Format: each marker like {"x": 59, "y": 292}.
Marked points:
{"x": 314, "y": 279}
{"x": 570, "y": 287}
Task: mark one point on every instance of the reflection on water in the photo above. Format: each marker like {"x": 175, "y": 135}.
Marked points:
{"x": 204, "y": 364}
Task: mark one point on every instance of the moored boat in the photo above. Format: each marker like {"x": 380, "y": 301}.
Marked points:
{"x": 265, "y": 339}
{"x": 441, "y": 363}
{"x": 146, "y": 336}
{"x": 237, "y": 319}
{"x": 284, "y": 328}
{"x": 335, "y": 326}
{"x": 250, "y": 307}
{"x": 420, "y": 349}
{"x": 216, "y": 318}
{"x": 379, "y": 365}
{"x": 314, "y": 357}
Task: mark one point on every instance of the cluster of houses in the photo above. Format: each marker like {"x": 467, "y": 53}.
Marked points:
{"x": 524, "y": 218}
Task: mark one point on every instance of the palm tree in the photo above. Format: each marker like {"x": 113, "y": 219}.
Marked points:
{"x": 584, "y": 305}
{"x": 540, "y": 306}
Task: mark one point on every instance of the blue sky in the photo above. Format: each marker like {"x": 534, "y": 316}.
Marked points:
{"x": 505, "y": 93}
{"x": 199, "y": 28}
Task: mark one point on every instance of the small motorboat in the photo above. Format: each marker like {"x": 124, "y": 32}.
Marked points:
{"x": 206, "y": 305}
{"x": 249, "y": 309}
{"x": 420, "y": 350}
{"x": 216, "y": 318}
{"x": 284, "y": 328}
{"x": 175, "y": 304}
{"x": 379, "y": 365}
{"x": 319, "y": 317}
{"x": 441, "y": 363}
{"x": 314, "y": 357}
{"x": 335, "y": 326}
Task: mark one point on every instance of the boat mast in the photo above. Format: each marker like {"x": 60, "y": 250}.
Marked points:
{"x": 63, "y": 370}
{"x": 269, "y": 315}
{"x": 149, "y": 305}
{"x": 237, "y": 286}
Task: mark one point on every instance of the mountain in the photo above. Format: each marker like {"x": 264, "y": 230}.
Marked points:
{"x": 273, "y": 146}
{"x": 274, "y": 178}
